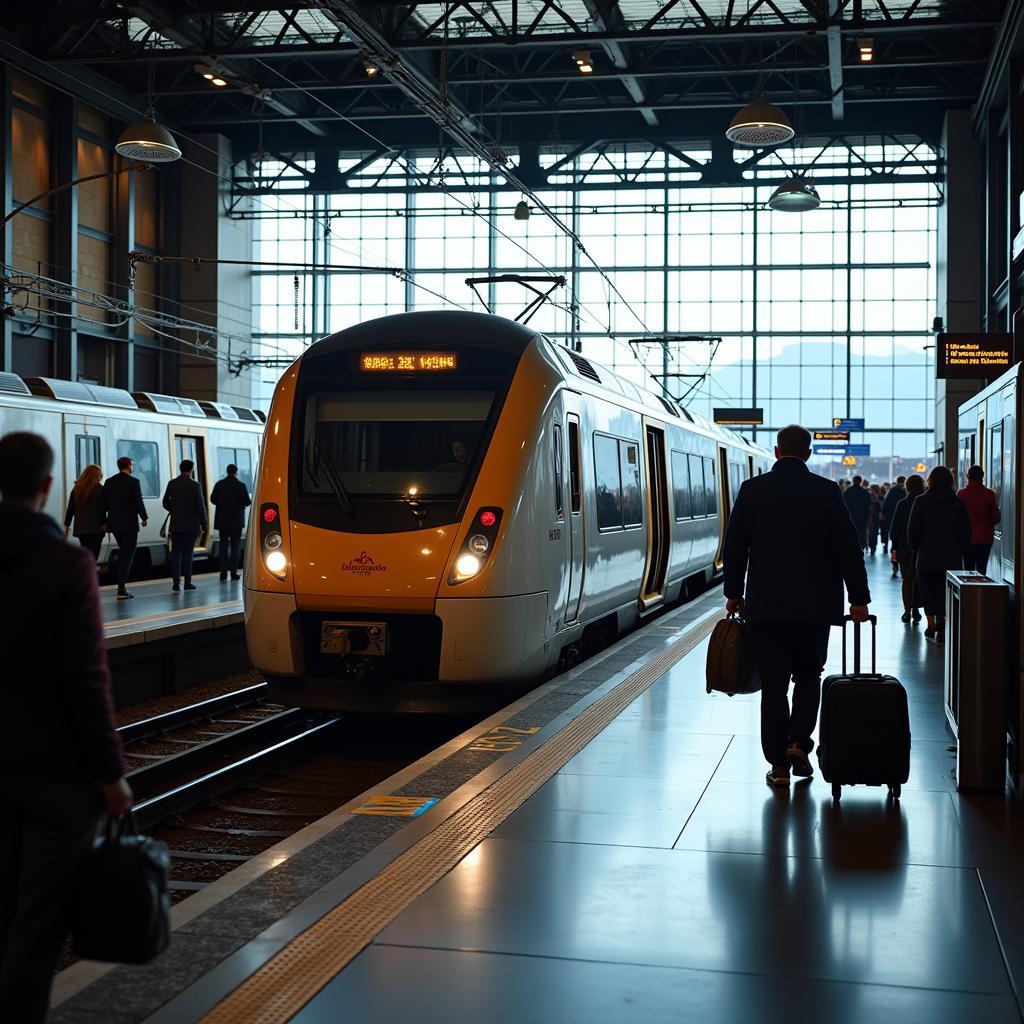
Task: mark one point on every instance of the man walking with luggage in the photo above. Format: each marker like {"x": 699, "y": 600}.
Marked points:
{"x": 60, "y": 757}
{"x": 791, "y": 539}
{"x": 122, "y": 499}
{"x": 231, "y": 498}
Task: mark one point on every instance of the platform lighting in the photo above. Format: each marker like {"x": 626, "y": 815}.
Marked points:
{"x": 583, "y": 61}
{"x": 212, "y": 75}
{"x": 797, "y": 195}
{"x": 148, "y": 142}
{"x": 866, "y": 48}
{"x": 522, "y": 210}
{"x": 760, "y": 124}
{"x": 372, "y": 71}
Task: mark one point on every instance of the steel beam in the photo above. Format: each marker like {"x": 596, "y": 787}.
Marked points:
{"x": 835, "y": 59}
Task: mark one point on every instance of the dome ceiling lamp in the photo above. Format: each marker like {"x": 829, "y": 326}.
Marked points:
{"x": 148, "y": 142}
{"x": 795, "y": 195}
{"x": 759, "y": 125}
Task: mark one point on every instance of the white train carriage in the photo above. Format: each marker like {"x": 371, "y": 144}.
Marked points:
{"x": 88, "y": 424}
{"x": 450, "y": 503}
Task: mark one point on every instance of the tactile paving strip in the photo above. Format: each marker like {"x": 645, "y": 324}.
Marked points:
{"x": 282, "y": 986}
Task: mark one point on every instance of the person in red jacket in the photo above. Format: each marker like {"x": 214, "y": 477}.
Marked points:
{"x": 61, "y": 766}
{"x": 983, "y": 509}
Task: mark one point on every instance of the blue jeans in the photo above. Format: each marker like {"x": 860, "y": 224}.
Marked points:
{"x": 181, "y": 556}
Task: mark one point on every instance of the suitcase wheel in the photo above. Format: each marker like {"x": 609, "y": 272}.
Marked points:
{"x": 894, "y": 790}
{"x": 837, "y": 792}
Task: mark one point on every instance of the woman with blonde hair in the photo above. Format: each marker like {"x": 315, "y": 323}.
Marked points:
{"x": 86, "y": 509}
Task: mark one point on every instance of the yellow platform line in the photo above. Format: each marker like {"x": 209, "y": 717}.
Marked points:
{"x": 281, "y": 987}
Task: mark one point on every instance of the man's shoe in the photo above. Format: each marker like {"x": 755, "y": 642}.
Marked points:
{"x": 223, "y": 577}
{"x": 235, "y": 576}
{"x": 190, "y": 586}
{"x": 778, "y": 776}
{"x": 175, "y": 588}
{"x": 905, "y": 617}
{"x": 123, "y": 595}
{"x": 929, "y": 633}
{"x": 799, "y": 762}
{"x": 915, "y": 615}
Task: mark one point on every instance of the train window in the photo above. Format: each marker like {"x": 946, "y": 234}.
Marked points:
{"x": 559, "y": 482}
{"x": 629, "y": 463}
{"x": 146, "y": 458}
{"x": 393, "y": 443}
{"x": 87, "y": 452}
{"x": 995, "y": 458}
{"x": 609, "y": 486}
{"x": 696, "y": 464}
{"x": 574, "y": 465}
{"x": 681, "y": 486}
{"x": 710, "y": 488}
{"x": 240, "y": 457}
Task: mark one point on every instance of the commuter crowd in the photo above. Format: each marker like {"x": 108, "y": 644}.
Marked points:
{"x": 116, "y": 507}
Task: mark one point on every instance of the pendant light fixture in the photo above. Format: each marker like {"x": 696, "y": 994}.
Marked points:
{"x": 148, "y": 142}
{"x": 796, "y": 195}
{"x": 760, "y": 124}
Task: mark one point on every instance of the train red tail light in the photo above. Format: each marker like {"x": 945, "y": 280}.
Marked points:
{"x": 269, "y": 514}
{"x": 476, "y": 545}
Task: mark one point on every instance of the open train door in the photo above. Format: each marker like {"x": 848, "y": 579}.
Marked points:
{"x": 659, "y": 532}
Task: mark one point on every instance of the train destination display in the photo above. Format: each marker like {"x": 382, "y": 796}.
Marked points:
{"x": 973, "y": 355}
{"x": 408, "y": 362}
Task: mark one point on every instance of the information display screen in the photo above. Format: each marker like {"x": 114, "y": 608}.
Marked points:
{"x": 973, "y": 355}
{"x": 831, "y": 435}
{"x": 408, "y": 362}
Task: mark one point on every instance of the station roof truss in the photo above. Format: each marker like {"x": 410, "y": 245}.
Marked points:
{"x": 496, "y": 75}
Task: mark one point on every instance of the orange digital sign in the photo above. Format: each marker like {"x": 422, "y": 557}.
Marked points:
{"x": 408, "y": 362}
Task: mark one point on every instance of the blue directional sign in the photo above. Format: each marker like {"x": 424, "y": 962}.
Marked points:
{"x": 841, "y": 424}
{"x": 842, "y": 449}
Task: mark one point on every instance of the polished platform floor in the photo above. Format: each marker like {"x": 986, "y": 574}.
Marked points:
{"x": 157, "y": 613}
{"x": 656, "y": 877}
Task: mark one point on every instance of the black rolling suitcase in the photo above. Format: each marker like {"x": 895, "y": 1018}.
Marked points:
{"x": 865, "y": 725}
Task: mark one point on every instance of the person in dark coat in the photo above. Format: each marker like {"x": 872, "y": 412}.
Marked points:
{"x": 893, "y": 497}
{"x": 874, "y": 515}
{"x": 184, "y": 500}
{"x": 902, "y": 553}
{"x": 231, "y": 498}
{"x": 60, "y": 757}
{"x": 122, "y": 501}
{"x": 86, "y": 510}
{"x": 790, "y": 538}
{"x": 983, "y": 509}
{"x": 858, "y": 502}
{"x": 939, "y": 532}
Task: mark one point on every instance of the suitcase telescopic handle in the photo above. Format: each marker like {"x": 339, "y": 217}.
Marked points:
{"x": 873, "y": 619}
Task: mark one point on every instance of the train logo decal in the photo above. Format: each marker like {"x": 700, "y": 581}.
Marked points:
{"x": 364, "y": 565}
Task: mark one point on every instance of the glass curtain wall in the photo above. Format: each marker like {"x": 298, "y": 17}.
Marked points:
{"x": 811, "y": 316}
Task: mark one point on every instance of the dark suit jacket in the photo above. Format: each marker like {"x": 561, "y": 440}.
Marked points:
{"x": 892, "y": 499}
{"x": 790, "y": 535}
{"x": 939, "y": 531}
{"x": 184, "y": 500}
{"x": 898, "y": 532}
{"x": 231, "y": 498}
{"x": 858, "y": 501}
{"x": 88, "y": 515}
{"x": 122, "y": 496}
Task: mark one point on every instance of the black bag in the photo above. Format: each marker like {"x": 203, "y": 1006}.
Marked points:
{"x": 865, "y": 725}
{"x": 122, "y": 911}
{"x": 732, "y": 665}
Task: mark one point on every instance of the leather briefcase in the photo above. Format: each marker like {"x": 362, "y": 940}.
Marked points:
{"x": 732, "y": 665}
{"x": 123, "y": 911}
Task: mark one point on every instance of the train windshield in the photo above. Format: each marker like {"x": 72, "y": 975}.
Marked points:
{"x": 392, "y": 444}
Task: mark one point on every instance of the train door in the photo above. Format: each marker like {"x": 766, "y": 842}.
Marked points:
{"x": 725, "y": 506}
{"x": 85, "y": 444}
{"x": 659, "y": 535}
{"x": 575, "y": 522}
{"x": 994, "y": 478}
{"x": 193, "y": 446}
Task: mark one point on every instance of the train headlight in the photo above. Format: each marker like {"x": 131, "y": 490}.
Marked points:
{"x": 466, "y": 567}
{"x": 276, "y": 562}
{"x": 478, "y": 544}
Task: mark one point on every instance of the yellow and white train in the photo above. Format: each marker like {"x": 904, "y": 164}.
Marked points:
{"x": 449, "y": 504}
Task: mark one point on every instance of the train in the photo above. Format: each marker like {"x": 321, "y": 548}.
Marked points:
{"x": 91, "y": 424}
{"x": 449, "y": 506}
{"x": 989, "y": 435}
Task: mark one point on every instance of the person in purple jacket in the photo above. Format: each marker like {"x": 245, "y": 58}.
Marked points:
{"x": 61, "y": 765}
